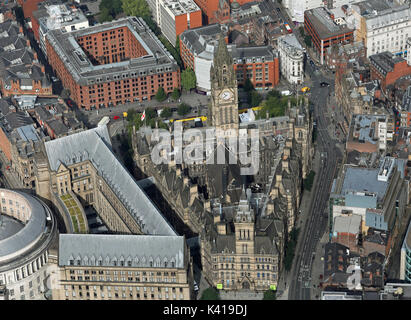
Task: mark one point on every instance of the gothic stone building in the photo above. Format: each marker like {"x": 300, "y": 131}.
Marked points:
{"x": 240, "y": 249}
{"x": 83, "y": 168}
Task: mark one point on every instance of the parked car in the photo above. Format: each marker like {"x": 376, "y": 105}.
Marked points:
{"x": 116, "y": 117}
{"x": 195, "y": 286}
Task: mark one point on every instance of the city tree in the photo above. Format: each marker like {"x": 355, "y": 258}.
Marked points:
{"x": 161, "y": 95}
{"x": 175, "y": 94}
{"x": 137, "y": 8}
{"x": 188, "y": 79}
{"x": 166, "y": 113}
{"x": 183, "y": 109}
{"x": 269, "y": 295}
{"x": 210, "y": 294}
{"x": 255, "y": 98}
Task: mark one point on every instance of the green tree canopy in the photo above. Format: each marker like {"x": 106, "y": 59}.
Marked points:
{"x": 109, "y": 9}
{"x": 210, "y": 294}
{"x": 166, "y": 113}
{"x": 105, "y": 15}
{"x": 307, "y": 41}
{"x": 248, "y": 85}
{"x": 269, "y": 295}
{"x": 183, "y": 109}
{"x": 161, "y": 95}
{"x": 136, "y": 8}
{"x": 188, "y": 79}
{"x": 175, "y": 94}
{"x": 274, "y": 93}
{"x": 256, "y": 98}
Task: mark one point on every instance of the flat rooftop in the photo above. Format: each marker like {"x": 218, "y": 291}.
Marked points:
{"x": 350, "y": 224}
{"x": 179, "y": 7}
{"x": 157, "y": 60}
{"x": 323, "y": 24}
{"x": 364, "y": 128}
{"x": 59, "y": 15}
{"x": 363, "y": 181}
{"x": 259, "y": 53}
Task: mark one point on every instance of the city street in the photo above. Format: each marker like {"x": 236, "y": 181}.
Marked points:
{"x": 315, "y": 225}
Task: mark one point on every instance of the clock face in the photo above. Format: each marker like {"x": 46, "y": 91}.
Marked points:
{"x": 226, "y": 95}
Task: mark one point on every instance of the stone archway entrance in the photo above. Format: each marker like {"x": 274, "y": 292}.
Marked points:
{"x": 246, "y": 285}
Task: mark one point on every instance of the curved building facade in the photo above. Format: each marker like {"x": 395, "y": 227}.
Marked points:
{"x": 27, "y": 227}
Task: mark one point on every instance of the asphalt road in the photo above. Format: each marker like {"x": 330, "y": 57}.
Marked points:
{"x": 316, "y": 224}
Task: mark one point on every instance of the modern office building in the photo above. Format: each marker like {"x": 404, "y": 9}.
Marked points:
{"x": 324, "y": 31}
{"x": 27, "y": 229}
{"x": 175, "y": 16}
{"x": 112, "y": 63}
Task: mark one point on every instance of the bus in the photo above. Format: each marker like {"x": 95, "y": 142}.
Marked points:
{"x": 103, "y": 121}
{"x": 245, "y": 110}
{"x": 202, "y": 118}
{"x": 288, "y": 28}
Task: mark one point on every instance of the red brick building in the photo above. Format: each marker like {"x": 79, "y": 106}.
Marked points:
{"x": 176, "y": 16}
{"x": 29, "y": 6}
{"x": 210, "y": 8}
{"x": 346, "y": 231}
{"x": 20, "y": 71}
{"x": 112, "y": 63}
{"x": 259, "y": 64}
{"x": 324, "y": 31}
{"x": 223, "y": 12}
{"x": 388, "y": 68}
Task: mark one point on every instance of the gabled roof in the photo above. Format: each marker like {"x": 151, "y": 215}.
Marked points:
{"x": 139, "y": 250}
{"x": 95, "y": 145}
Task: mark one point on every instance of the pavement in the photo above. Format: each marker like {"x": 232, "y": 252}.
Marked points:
{"x": 241, "y": 295}
{"x": 318, "y": 267}
{"x": 198, "y": 102}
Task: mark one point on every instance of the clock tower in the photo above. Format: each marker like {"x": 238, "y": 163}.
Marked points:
{"x": 223, "y": 111}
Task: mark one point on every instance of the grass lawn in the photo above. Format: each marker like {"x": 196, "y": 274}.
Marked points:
{"x": 75, "y": 213}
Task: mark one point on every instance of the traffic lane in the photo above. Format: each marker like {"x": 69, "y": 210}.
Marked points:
{"x": 317, "y": 214}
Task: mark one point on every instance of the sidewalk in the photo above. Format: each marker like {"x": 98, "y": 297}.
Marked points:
{"x": 192, "y": 99}
{"x": 241, "y": 295}
{"x": 318, "y": 267}
{"x": 285, "y": 278}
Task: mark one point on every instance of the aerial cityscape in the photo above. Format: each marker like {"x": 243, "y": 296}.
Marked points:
{"x": 177, "y": 150}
